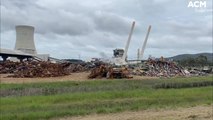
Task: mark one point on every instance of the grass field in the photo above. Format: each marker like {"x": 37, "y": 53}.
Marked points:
{"x": 34, "y": 101}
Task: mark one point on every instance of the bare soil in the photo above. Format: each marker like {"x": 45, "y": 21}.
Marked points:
{"x": 73, "y": 77}
{"x": 192, "y": 113}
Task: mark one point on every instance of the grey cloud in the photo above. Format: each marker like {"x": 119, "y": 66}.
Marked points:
{"x": 178, "y": 43}
{"x": 7, "y": 39}
{"x": 65, "y": 23}
{"x": 190, "y": 29}
{"x": 113, "y": 23}
{"x": 20, "y": 4}
{"x": 45, "y": 20}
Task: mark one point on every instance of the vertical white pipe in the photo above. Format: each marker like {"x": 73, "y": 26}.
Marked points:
{"x": 144, "y": 44}
{"x": 128, "y": 42}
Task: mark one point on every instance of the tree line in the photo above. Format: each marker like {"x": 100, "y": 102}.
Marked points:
{"x": 199, "y": 61}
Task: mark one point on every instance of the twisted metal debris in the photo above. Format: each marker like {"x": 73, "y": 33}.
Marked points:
{"x": 158, "y": 68}
{"x": 109, "y": 72}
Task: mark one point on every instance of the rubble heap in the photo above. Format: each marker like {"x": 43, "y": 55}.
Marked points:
{"x": 79, "y": 67}
{"x": 8, "y": 67}
{"x": 32, "y": 69}
{"x": 99, "y": 72}
{"x": 158, "y": 68}
{"x": 98, "y": 69}
{"x": 109, "y": 72}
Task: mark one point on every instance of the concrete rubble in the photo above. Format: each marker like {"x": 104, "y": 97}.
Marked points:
{"x": 197, "y": 72}
{"x": 158, "y": 68}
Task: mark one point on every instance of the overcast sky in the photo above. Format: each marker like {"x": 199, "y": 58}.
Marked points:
{"x": 93, "y": 28}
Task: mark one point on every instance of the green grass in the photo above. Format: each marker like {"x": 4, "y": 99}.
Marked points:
{"x": 100, "y": 96}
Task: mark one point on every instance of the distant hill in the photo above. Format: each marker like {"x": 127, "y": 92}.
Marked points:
{"x": 185, "y": 56}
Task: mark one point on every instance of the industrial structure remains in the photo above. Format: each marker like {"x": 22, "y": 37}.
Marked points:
{"x": 25, "y": 39}
{"x": 24, "y": 46}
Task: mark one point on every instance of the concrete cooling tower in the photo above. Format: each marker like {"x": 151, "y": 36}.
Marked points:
{"x": 25, "y": 39}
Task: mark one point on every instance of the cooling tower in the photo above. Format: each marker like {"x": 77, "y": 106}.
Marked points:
{"x": 25, "y": 39}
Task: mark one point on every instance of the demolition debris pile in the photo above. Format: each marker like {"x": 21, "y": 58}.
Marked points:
{"x": 32, "y": 69}
{"x": 151, "y": 68}
{"x": 98, "y": 69}
{"x": 158, "y": 68}
{"x": 109, "y": 72}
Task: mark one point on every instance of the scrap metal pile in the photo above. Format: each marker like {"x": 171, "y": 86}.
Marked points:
{"x": 109, "y": 72}
{"x": 158, "y": 68}
{"x": 31, "y": 69}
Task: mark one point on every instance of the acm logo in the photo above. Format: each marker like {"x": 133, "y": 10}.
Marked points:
{"x": 197, "y": 4}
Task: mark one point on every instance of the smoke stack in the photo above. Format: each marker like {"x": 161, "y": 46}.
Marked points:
{"x": 144, "y": 44}
{"x": 128, "y": 42}
{"x": 25, "y": 39}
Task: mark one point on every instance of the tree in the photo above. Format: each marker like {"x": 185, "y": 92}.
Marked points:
{"x": 201, "y": 60}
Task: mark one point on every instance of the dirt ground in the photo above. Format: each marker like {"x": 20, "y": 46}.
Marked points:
{"x": 73, "y": 77}
{"x": 192, "y": 113}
